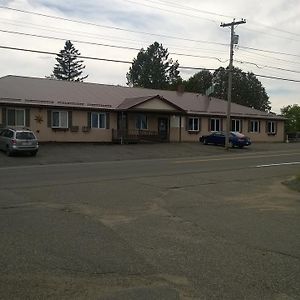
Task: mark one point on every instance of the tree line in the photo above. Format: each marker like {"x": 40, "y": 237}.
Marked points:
{"x": 154, "y": 69}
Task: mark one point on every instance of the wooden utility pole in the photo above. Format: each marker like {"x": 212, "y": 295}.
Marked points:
{"x": 232, "y": 42}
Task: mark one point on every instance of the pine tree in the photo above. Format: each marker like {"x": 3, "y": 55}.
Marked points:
{"x": 68, "y": 67}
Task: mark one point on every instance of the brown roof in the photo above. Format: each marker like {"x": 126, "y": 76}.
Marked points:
{"x": 47, "y": 92}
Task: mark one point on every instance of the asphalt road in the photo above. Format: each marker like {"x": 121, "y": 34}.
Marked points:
{"x": 189, "y": 225}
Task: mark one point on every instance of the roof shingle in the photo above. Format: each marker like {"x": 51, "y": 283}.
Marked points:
{"x": 42, "y": 91}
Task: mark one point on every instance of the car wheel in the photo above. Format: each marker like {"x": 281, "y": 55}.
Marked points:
{"x": 33, "y": 153}
{"x": 7, "y": 151}
{"x": 205, "y": 142}
{"x": 241, "y": 146}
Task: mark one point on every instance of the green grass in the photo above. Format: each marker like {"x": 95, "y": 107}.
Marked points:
{"x": 294, "y": 183}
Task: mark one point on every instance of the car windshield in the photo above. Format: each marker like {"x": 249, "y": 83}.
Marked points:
{"x": 25, "y": 136}
{"x": 237, "y": 134}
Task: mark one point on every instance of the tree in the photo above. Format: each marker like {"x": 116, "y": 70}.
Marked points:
{"x": 153, "y": 69}
{"x": 68, "y": 67}
{"x": 247, "y": 90}
{"x": 199, "y": 82}
{"x": 292, "y": 115}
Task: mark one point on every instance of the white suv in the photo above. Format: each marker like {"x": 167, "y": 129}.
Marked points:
{"x": 14, "y": 140}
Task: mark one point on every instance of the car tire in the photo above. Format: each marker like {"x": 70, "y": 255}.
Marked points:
{"x": 33, "y": 153}
{"x": 204, "y": 142}
{"x": 7, "y": 151}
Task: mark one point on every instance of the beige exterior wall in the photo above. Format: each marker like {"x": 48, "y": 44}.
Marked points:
{"x": 156, "y": 104}
{"x": 262, "y": 136}
{"x": 152, "y": 120}
{"x": 177, "y": 127}
{"x": 79, "y": 118}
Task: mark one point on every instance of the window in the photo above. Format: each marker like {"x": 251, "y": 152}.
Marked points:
{"x": 7, "y": 133}
{"x": 141, "y": 122}
{"x": 98, "y": 120}
{"x": 271, "y": 127}
{"x": 25, "y": 136}
{"x": 15, "y": 117}
{"x": 236, "y": 125}
{"x": 193, "y": 124}
{"x": 215, "y": 124}
{"x": 254, "y": 126}
{"x": 59, "y": 119}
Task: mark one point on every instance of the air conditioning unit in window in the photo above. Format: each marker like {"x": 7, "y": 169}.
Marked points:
{"x": 74, "y": 128}
{"x": 85, "y": 129}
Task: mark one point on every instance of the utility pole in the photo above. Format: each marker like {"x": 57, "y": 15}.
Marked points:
{"x": 233, "y": 41}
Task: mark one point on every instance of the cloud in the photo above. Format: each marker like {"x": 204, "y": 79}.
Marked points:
{"x": 267, "y": 28}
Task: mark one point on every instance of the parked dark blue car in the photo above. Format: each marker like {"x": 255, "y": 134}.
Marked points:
{"x": 236, "y": 139}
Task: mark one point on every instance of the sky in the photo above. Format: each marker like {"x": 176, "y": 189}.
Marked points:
{"x": 269, "y": 41}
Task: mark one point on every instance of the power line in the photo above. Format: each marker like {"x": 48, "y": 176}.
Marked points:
{"x": 170, "y": 11}
{"x": 272, "y": 58}
{"x": 130, "y": 62}
{"x": 141, "y": 32}
{"x": 105, "y": 37}
{"x": 111, "y": 27}
{"x": 137, "y": 49}
{"x": 278, "y": 78}
{"x": 106, "y": 45}
{"x": 185, "y": 7}
{"x": 169, "y": 3}
{"x": 266, "y": 66}
{"x": 94, "y": 58}
{"x": 269, "y": 51}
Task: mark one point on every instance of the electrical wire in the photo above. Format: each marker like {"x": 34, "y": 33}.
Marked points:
{"x": 269, "y": 57}
{"x": 170, "y": 11}
{"x": 269, "y": 51}
{"x": 113, "y": 27}
{"x": 169, "y": 3}
{"x": 266, "y": 66}
{"x": 118, "y": 39}
{"x": 94, "y": 58}
{"x": 146, "y": 33}
{"x": 129, "y": 62}
{"x": 185, "y": 7}
{"x": 106, "y": 45}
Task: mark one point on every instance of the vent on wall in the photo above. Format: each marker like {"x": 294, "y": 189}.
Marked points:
{"x": 70, "y": 103}
{"x": 39, "y": 101}
{"x": 98, "y": 105}
{"x": 10, "y": 100}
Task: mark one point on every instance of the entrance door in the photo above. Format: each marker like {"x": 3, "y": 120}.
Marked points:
{"x": 163, "y": 128}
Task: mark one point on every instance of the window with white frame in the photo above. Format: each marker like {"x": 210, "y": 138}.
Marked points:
{"x": 98, "y": 120}
{"x": 15, "y": 117}
{"x": 215, "y": 124}
{"x": 254, "y": 126}
{"x": 236, "y": 125}
{"x": 193, "y": 124}
{"x": 59, "y": 119}
{"x": 141, "y": 122}
{"x": 271, "y": 127}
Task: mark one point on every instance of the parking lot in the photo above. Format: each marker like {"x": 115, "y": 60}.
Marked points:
{"x": 53, "y": 153}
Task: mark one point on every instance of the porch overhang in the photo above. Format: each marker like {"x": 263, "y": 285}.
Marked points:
{"x": 154, "y": 103}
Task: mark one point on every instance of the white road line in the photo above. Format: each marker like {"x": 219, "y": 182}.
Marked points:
{"x": 279, "y": 164}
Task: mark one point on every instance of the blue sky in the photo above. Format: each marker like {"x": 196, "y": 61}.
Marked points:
{"x": 271, "y": 27}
